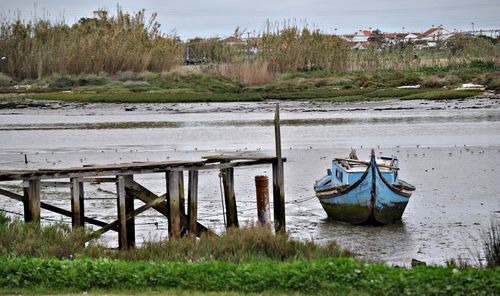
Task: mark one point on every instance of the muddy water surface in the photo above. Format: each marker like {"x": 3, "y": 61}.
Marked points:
{"x": 450, "y": 150}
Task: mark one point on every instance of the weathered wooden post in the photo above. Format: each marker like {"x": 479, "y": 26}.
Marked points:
{"x": 122, "y": 212}
{"x": 26, "y": 205}
{"x": 262, "y": 193}
{"x": 278, "y": 178}
{"x": 129, "y": 208}
{"x": 182, "y": 198}
{"x": 77, "y": 203}
{"x": 193, "y": 202}
{"x": 229, "y": 197}
{"x": 32, "y": 201}
{"x": 174, "y": 217}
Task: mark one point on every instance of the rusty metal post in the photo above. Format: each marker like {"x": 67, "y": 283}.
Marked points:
{"x": 262, "y": 192}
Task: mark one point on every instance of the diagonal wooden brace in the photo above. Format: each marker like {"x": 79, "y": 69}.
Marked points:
{"x": 142, "y": 193}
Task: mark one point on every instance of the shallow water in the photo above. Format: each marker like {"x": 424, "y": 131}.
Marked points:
{"x": 450, "y": 150}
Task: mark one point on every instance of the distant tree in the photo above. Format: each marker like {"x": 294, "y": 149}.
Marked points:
{"x": 377, "y": 37}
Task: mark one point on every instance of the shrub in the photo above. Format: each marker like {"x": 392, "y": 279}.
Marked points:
{"x": 483, "y": 65}
{"x": 63, "y": 83}
{"x": 5, "y": 80}
{"x": 440, "y": 80}
{"x": 492, "y": 81}
{"x": 29, "y": 239}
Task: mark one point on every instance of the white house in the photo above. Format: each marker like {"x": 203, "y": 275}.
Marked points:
{"x": 435, "y": 34}
{"x": 410, "y": 37}
{"x": 361, "y": 36}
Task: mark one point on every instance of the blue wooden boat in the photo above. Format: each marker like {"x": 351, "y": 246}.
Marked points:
{"x": 363, "y": 192}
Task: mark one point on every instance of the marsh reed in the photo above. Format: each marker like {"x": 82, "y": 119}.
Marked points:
{"x": 110, "y": 44}
{"x": 124, "y": 42}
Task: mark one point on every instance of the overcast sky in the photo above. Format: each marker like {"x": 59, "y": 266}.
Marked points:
{"x": 190, "y": 18}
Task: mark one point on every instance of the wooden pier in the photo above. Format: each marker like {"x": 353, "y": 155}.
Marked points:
{"x": 172, "y": 204}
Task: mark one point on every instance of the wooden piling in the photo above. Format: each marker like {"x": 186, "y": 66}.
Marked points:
{"x": 26, "y": 205}
{"x": 32, "y": 201}
{"x": 262, "y": 194}
{"x": 77, "y": 203}
{"x": 193, "y": 202}
{"x": 229, "y": 197}
{"x": 174, "y": 218}
{"x": 122, "y": 213}
{"x": 182, "y": 198}
{"x": 129, "y": 208}
{"x": 278, "y": 179}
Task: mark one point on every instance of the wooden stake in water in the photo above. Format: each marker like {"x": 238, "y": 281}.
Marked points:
{"x": 193, "y": 202}
{"x": 278, "y": 178}
{"x": 77, "y": 204}
{"x": 229, "y": 197}
{"x": 173, "y": 205}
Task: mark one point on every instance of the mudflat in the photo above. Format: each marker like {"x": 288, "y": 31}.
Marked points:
{"x": 449, "y": 149}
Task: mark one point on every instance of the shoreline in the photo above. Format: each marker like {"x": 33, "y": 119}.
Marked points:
{"x": 24, "y": 100}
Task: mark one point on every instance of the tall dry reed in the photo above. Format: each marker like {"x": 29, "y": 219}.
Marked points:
{"x": 292, "y": 48}
{"x": 246, "y": 72}
{"x": 133, "y": 43}
{"x": 104, "y": 43}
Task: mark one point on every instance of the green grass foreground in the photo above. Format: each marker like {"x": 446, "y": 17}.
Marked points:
{"x": 329, "y": 276}
{"x": 319, "y": 94}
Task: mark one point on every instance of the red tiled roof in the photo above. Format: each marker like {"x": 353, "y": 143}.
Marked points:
{"x": 231, "y": 39}
{"x": 394, "y": 35}
{"x": 430, "y": 31}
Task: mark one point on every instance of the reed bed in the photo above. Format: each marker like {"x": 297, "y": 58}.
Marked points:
{"x": 126, "y": 42}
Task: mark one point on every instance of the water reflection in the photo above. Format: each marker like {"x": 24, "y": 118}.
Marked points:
{"x": 391, "y": 242}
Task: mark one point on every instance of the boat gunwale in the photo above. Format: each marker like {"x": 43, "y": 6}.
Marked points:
{"x": 334, "y": 191}
{"x": 342, "y": 191}
{"x": 392, "y": 187}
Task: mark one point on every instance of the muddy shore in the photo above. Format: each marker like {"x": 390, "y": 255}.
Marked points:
{"x": 450, "y": 150}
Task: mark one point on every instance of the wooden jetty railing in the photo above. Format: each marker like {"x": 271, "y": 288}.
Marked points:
{"x": 171, "y": 204}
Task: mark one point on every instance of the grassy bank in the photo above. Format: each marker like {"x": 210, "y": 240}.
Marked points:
{"x": 52, "y": 259}
{"x": 235, "y": 245}
{"x": 333, "y": 95}
{"x": 202, "y": 84}
{"x": 329, "y": 276}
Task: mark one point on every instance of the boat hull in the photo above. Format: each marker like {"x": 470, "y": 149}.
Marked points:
{"x": 370, "y": 200}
